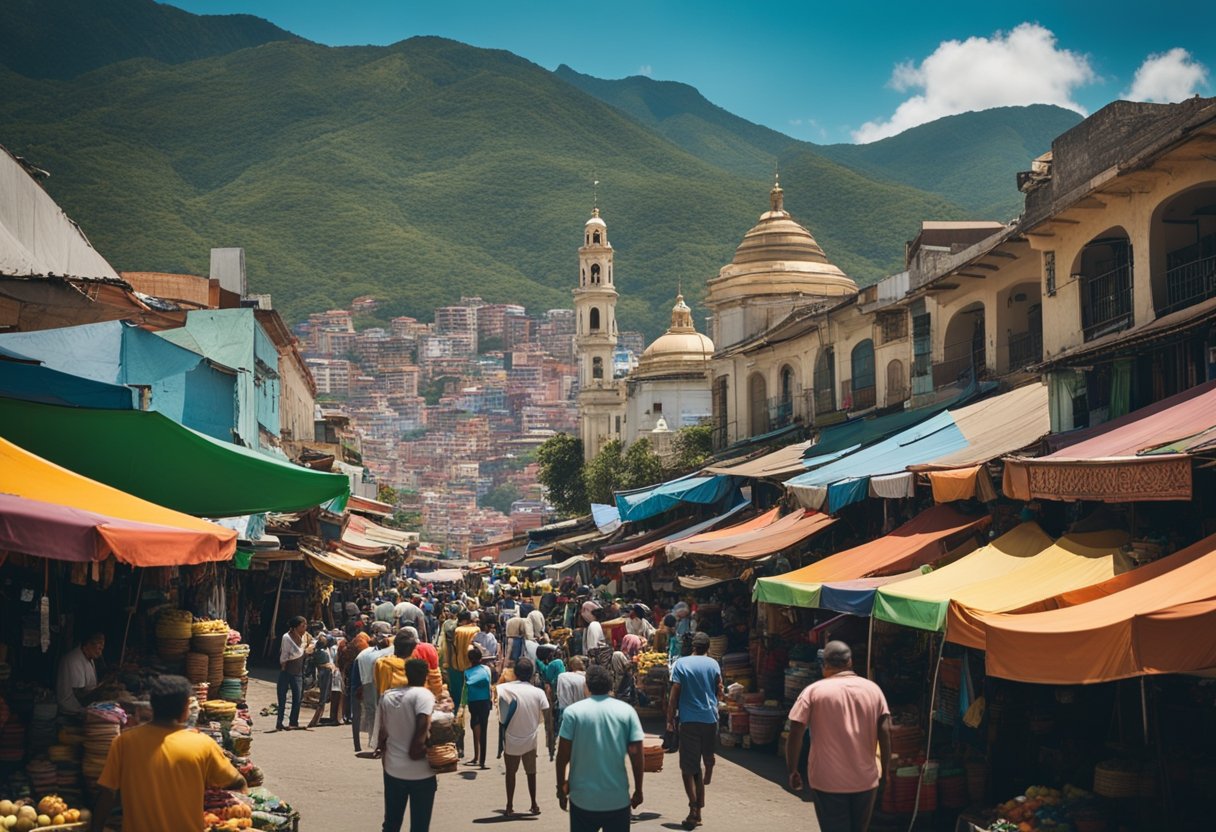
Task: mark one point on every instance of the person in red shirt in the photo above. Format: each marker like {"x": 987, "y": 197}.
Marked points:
{"x": 848, "y": 719}
{"x": 424, "y": 650}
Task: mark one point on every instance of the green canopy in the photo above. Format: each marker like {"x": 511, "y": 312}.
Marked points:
{"x": 149, "y": 455}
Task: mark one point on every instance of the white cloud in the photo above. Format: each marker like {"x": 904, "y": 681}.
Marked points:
{"x": 1023, "y": 66}
{"x": 1167, "y": 77}
{"x": 646, "y": 69}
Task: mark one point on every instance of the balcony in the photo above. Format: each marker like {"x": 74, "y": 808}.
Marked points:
{"x": 1025, "y": 349}
{"x": 1106, "y": 301}
{"x": 1189, "y": 283}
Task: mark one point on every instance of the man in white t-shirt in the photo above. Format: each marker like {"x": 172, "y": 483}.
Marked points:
{"x": 593, "y": 636}
{"x": 404, "y": 717}
{"x": 365, "y": 664}
{"x": 570, "y": 687}
{"x": 409, "y": 614}
{"x": 522, "y": 709}
{"x": 77, "y": 673}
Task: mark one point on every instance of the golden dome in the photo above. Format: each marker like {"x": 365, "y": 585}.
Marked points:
{"x": 595, "y": 219}
{"x": 679, "y": 350}
{"x": 778, "y": 257}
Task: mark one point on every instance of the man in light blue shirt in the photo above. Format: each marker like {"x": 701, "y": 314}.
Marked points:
{"x": 696, "y": 689}
{"x": 596, "y": 735}
{"x": 365, "y": 663}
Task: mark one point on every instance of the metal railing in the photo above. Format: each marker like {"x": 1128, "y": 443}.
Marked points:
{"x": 824, "y": 401}
{"x": 1025, "y": 348}
{"x": 1189, "y": 283}
{"x": 1106, "y": 302}
{"x": 780, "y": 412}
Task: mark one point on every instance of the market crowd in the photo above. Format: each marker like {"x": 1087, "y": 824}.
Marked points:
{"x": 419, "y": 673}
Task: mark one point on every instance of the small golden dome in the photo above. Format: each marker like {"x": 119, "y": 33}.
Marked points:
{"x": 777, "y": 256}
{"x": 680, "y": 349}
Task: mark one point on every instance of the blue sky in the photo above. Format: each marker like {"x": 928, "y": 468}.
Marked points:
{"x": 825, "y": 72}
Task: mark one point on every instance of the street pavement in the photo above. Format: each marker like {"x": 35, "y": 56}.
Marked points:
{"x": 318, "y": 773}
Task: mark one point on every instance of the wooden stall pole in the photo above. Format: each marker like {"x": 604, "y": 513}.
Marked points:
{"x": 274, "y": 616}
{"x": 139, "y": 591}
{"x": 1144, "y": 709}
{"x": 920, "y": 780}
{"x": 870, "y": 649}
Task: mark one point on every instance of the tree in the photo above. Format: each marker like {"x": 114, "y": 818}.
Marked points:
{"x": 691, "y": 447}
{"x": 605, "y": 473}
{"x": 386, "y": 494}
{"x": 617, "y": 469}
{"x": 561, "y": 473}
{"x": 642, "y": 465}
{"x": 500, "y": 498}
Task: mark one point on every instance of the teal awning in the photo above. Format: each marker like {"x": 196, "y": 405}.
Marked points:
{"x": 649, "y": 502}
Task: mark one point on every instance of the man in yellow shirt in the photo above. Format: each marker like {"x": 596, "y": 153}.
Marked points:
{"x": 390, "y": 670}
{"x": 160, "y": 770}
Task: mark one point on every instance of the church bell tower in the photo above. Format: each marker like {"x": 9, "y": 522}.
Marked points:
{"x": 601, "y": 401}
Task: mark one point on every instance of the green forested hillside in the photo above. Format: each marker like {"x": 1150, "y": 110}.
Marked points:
{"x": 971, "y": 158}
{"x": 63, "y": 38}
{"x": 422, "y": 171}
{"x": 418, "y": 172}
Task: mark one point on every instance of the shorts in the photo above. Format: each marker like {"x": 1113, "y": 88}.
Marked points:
{"x": 528, "y": 760}
{"x": 697, "y": 741}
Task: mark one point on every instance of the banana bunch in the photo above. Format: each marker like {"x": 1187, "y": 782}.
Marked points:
{"x": 646, "y": 661}
{"x": 209, "y": 627}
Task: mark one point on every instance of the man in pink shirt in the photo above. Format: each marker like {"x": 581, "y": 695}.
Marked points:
{"x": 848, "y": 717}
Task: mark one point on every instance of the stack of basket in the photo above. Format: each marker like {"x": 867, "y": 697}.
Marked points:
{"x": 797, "y": 676}
{"x": 764, "y": 723}
{"x": 101, "y": 727}
{"x": 42, "y": 730}
{"x": 717, "y": 647}
{"x": 652, "y": 758}
{"x": 443, "y": 758}
{"x": 230, "y": 689}
{"x": 219, "y": 710}
{"x": 235, "y": 656}
{"x": 737, "y": 667}
{"x": 200, "y": 691}
{"x": 198, "y": 667}
{"x": 173, "y": 634}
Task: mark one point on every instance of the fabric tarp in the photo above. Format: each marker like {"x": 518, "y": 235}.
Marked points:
{"x": 36, "y": 383}
{"x": 698, "y": 530}
{"x": 638, "y": 565}
{"x": 1076, "y": 560}
{"x": 915, "y": 543}
{"x": 956, "y": 484}
{"x": 997, "y": 426}
{"x": 1140, "y": 456}
{"x": 135, "y": 531}
{"x": 441, "y": 576}
{"x": 607, "y": 518}
{"x": 147, "y": 454}
{"x": 836, "y": 440}
{"x": 857, "y": 597}
{"x": 923, "y": 601}
{"x": 650, "y": 502}
{"x": 1160, "y": 618}
{"x": 749, "y": 544}
{"x": 936, "y": 436}
{"x": 779, "y": 463}
{"x": 342, "y": 567}
{"x": 700, "y": 581}
{"x": 893, "y": 486}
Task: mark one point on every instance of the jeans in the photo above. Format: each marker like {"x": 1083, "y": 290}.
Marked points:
{"x": 294, "y": 683}
{"x": 844, "y": 811}
{"x": 419, "y": 795}
{"x": 582, "y": 820}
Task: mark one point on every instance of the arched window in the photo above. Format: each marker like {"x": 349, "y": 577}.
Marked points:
{"x": 863, "y": 375}
{"x": 757, "y": 395}
{"x": 825, "y": 381}
{"x": 596, "y": 237}
{"x": 595, "y": 319}
{"x": 597, "y": 368}
{"x": 595, "y": 273}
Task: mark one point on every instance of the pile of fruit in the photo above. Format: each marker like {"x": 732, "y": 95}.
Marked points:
{"x": 50, "y": 811}
{"x": 236, "y": 816}
{"x": 646, "y": 661}
{"x": 1046, "y": 809}
{"x": 209, "y": 627}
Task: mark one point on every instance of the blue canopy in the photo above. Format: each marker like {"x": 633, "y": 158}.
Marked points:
{"x": 845, "y": 480}
{"x": 181, "y": 384}
{"x": 607, "y": 518}
{"x": 857, "y": 597}
{"x": 652, "y": 501}
{"x": 33, "y": 382}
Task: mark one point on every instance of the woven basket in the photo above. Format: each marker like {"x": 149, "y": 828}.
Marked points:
{"x": 442, "y": 756}
{"x": 241, "y": 746}
{"x": 1112, "y": 782}
{"x": 234, "y": 667}
{"x": 211, "y": 644}
{"x": 172, "y": 648}
{"x": 652, "y": 758}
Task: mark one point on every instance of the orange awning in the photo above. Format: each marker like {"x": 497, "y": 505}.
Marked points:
{"x": 1160, "y": 618}
{"x": 653, "y": 546}
{"x": 755, "y": 543}
{"x": 152, "y": 536}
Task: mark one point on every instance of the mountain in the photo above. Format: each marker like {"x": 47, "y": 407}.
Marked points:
{"x": 63, "y": 38}
{"x": 968, "y": 159}
{"x": 416, "y": 172}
